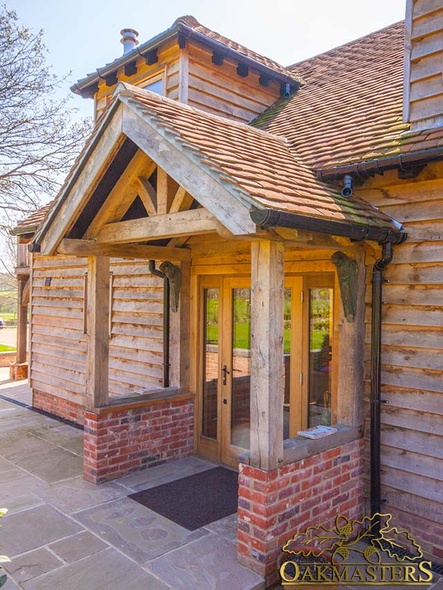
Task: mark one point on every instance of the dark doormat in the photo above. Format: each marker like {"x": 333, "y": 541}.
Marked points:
{"x": 194, "y": 501}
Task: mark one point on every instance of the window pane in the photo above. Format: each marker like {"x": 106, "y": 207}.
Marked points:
{"x": 287, "y": 361}
{"x": 211, "y": 300}
{"x": 241, "y": 367}
{"x": 320, "y": 355}
{"x": 156, "y": 87}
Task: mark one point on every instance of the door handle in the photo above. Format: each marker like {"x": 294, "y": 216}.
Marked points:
{"x": 225, "y": 372}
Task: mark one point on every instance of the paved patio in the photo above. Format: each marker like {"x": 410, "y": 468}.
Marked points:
{"x": 62, "y": 532}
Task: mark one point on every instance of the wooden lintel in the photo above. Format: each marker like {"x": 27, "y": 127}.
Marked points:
{"x": 91, "y": 248}
{"x": 172, "y": 225}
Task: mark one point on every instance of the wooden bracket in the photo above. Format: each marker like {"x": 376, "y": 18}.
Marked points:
{"x": 347, "y": 277}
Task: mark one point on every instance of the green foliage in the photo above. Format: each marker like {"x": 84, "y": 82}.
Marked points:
{"x": 3, "y": 558}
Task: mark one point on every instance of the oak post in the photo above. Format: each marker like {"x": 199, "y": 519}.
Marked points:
{"x": 97, "y": 374}
{"x": 22, "y": 321}
{"x": 267, "y": 369}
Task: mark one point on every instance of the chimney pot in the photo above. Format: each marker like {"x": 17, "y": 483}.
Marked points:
{"x": 129, "y": 40}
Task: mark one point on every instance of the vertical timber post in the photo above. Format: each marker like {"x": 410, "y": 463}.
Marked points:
{"x": 97, "y": 375}
{"x": 267, "y": 368}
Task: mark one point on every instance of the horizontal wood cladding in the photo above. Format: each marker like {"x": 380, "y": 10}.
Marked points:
{"x": 59, "y": 344}
{"x": 220, "y": 90}
{"x": 423, "y": 76}
{"x": 412, "y": 351}
{"x": 136, "y": 345}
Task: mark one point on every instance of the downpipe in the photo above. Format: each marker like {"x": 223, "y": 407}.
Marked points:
{"x": 375, "y": 397}
{"x": 166, "y": 319}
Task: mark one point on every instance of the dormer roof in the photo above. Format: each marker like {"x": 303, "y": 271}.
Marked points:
{"x": 187, "y": 27}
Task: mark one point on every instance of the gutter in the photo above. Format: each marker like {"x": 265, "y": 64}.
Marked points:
{"x": 188, "y": 33}
{"x": 364, "y": 169}
{"x": 269, "y": 218}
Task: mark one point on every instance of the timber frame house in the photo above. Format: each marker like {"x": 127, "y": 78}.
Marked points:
{"x": 243, "y": 251}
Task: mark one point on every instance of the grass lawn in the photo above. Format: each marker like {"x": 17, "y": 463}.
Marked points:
{"x": 4, "y": 348}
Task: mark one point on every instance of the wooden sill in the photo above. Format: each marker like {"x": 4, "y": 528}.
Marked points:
{"x": 145, "y": 400}
{"x": 298, "y": 448}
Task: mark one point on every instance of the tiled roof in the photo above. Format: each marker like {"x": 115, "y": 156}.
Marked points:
{"x": 192, "y": 23}
{"x": 30, "y": 224}
{"x": 349, "y": 108}
{"x": 262, "y": 168}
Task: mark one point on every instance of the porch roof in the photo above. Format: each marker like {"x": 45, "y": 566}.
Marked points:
{"x": 256, "y": 170}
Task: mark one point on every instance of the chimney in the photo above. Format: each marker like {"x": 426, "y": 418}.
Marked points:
{"x": 129, "y": 40}
{"x": 423, "y": 88}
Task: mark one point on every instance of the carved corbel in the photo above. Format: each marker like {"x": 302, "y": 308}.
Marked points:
{"x": 174, "y": 276}
{"x": 347, "y": 277}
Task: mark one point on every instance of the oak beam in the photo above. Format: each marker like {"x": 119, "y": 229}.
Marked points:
{"x": 172, "y": 225}
{"x": 267, "y": 368}
{"x": 182, "y": 200}
{"x": 147, "y": 194}
{"x": 97, "y": 369}
{"x": 72, "y": 247}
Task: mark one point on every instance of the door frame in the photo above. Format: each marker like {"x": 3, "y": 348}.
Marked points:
{"x": 219, "y": 450}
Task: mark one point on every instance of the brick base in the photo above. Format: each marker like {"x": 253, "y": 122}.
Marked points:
{"x": 121, "y": 440}
{"x": 18, "y": 371}
{"x": 58, "y": 406}
{"x": 274, "y": 505}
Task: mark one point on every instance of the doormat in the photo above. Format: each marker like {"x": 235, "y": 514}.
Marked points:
{"x": 196, "y": 500}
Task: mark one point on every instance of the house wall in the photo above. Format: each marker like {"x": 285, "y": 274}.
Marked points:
{"x": 424, "y": 47}
{"x": 412, "y": 353}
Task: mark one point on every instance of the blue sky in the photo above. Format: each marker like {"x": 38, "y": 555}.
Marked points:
{"x": 83, "y": 35}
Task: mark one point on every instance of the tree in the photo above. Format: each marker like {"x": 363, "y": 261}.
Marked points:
{"x": 38, "y": 140}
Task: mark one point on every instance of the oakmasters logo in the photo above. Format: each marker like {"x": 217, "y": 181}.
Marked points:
{"x": 367, "y": 552}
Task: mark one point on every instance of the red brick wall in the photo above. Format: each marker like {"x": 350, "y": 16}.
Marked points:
{"x": 58, "y": 406}
{"x": 119, "y": 441}
{"x": 274, "y": 505}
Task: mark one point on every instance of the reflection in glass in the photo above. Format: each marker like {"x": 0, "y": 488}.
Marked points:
{"x": 211, "y": 299}
{"x": 320, "y": 356}
{"x": 241, "y": 367}
{"x": 287, "y": 361}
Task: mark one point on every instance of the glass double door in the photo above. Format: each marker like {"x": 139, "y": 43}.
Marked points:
{"x": 225, "y": 374}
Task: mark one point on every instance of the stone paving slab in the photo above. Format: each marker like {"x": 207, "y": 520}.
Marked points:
{"x": 102, "y": 571}
{"x": 32, "y": 564}
{"x": 63, "y": 436}
{"x": 143, "y": 480}
{"x": 78, "y": 546}
{"x": 34, "y": 528}
{"x": 77, "y": 494}
{"x": 53, "y": 465}
{"x": 226, "y": 528}
{"x": 138, "y": 532}
{"x": 213, "y": 565}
